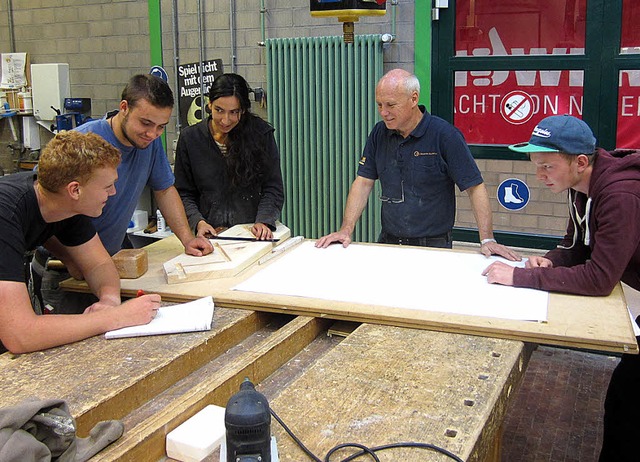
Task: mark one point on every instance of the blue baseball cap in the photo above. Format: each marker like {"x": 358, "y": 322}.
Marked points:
{"x": 562, "y": 133}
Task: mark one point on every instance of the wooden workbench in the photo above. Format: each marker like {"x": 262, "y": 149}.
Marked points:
{"x": 596, "y": 323}
{"x": 381, "y": 384}
{"x": 386, "y": 385}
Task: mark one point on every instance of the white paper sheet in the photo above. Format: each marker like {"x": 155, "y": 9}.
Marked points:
{"x": 395, "y": 276}
{"x": 187, "y": 317}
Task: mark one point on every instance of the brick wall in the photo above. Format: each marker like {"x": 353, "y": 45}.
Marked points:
{"x": 546, "y": 212}
{"x": 104, "y": 42}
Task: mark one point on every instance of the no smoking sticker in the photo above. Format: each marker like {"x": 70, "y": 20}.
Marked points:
{"x": 516, "y": 107}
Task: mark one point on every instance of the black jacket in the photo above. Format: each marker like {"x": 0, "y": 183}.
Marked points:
{"x": 206, "y": 190}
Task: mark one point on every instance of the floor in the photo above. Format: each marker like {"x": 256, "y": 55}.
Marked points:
{"x": 557, "y": 413}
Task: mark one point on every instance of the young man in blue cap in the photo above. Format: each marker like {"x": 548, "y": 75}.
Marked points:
{"x": 601, "y": 248}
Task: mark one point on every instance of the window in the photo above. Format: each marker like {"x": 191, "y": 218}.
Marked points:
{"x": 499, "y": 106}
{"x": 501, "y": 66}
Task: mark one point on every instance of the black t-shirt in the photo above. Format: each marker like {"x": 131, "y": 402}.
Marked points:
{"x": 22, "y": 227}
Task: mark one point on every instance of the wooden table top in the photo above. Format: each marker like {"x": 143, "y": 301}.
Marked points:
{"x": 596, "y": 323}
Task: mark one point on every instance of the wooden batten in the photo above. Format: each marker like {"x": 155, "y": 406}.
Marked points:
{"x": 148, "y": 426}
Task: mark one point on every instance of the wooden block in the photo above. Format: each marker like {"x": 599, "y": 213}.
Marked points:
{"x": 131, "y": 263}
{"x": 342, "y": 328}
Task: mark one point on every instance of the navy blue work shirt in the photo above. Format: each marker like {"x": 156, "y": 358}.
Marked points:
{"x": 418, "y": 174}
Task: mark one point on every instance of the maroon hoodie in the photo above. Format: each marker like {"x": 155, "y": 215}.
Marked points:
{"x": 605, "y": 248}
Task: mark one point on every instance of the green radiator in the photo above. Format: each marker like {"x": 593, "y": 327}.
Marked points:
{"x": 322, "y": 104}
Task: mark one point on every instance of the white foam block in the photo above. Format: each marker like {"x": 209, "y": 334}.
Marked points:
{"x": 198, "y": 437}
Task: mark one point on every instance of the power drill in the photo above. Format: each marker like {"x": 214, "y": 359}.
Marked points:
{"x": 248, "y": 423}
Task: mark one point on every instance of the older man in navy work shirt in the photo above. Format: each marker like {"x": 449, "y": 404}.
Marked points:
{"x": 418, "y": 159}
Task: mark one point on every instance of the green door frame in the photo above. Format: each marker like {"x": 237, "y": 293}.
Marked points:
{"x": 601, "y": 63}
{"x": 155, "y": 42}
{"x": 422, "y": 49}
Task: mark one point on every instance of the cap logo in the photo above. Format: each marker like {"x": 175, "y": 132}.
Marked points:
{"x": 541, "y": 132}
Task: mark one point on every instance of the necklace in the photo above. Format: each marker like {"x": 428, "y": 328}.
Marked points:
{"x": 222, "y": 139}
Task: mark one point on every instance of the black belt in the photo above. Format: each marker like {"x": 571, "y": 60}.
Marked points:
{"x": 415, "y": 241}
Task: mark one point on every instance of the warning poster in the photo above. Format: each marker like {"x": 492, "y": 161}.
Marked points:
{"x": 191, "y": 107}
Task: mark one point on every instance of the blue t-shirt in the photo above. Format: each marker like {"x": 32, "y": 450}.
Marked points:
{"x": 139, "y": 167}
{"x": 418, "y": 174}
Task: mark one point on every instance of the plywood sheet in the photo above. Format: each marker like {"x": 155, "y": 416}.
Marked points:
{"x": 228, "y": 258}
{"x": 598, "y": 323}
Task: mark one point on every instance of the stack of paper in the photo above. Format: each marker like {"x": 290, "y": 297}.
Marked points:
{"x": 187, "y": 317}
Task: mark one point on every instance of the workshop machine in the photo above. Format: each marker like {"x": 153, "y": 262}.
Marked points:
{"x": 248, "y": 423}
{"x": 76, "y": 112}
{"x": 347, "y": 12}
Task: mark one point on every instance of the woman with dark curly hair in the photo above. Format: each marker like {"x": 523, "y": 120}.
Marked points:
{"x": 228, "y": 167}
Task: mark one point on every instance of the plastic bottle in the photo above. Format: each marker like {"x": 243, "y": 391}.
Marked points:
{"x": 160, "y": 222}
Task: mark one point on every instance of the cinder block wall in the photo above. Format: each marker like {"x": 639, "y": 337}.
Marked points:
{"x": 546, "y": 212}
{"x": 105, "y": 42}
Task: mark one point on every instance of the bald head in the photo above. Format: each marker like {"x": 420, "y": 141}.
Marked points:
{"x": 399, "y": 80}
{"x": 397, "y": 95}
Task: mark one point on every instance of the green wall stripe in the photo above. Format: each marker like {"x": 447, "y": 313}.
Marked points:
{"x": 422, "y": 47}
{"x": 155, "y": 32}
{"x": 155, "y": 42}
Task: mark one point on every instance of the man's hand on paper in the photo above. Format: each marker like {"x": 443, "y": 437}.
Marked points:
{"x": 499, "y": 273}
{"x": 141, "y": 310}
{"x": 538, "y": 262}
{"x": 493, "y": 248}
{"x": 133, "y": 312}
{"x": 341, "y": 236}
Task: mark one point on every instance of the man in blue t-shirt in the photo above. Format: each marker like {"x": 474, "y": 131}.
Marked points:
{"x": 418, "y": 158}
{"x": 75, "y": 178}
{"x": 135, "y": 129}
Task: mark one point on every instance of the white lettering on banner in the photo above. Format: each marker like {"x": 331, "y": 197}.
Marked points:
{"x": 499, "y": 106}
{"x": 524, "y": 78}
{"x": 192, "y": 69}
{"x": 629, "y": 105}
{"x": 575, "y": 106}
{"x": 477, "y": 104}
{"x": 540, "y": 104}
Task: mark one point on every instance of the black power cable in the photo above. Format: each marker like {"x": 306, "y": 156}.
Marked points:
{"x": 364, "y": 450}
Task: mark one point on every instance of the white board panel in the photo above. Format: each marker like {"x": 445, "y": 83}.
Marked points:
{"x": 396, "y": 276}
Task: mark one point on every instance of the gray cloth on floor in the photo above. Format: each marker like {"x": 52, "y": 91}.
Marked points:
{"x": 44, "y": 430}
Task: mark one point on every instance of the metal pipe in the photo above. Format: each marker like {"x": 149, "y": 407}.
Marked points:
{"x": 176, "y": 60}
{"x": 201, "y": 46}
{"x": 232, "y": 30}
{"x": 263, "y": 12}
{"x": 12, "y": 38}
{"x": 394, "y": 7}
